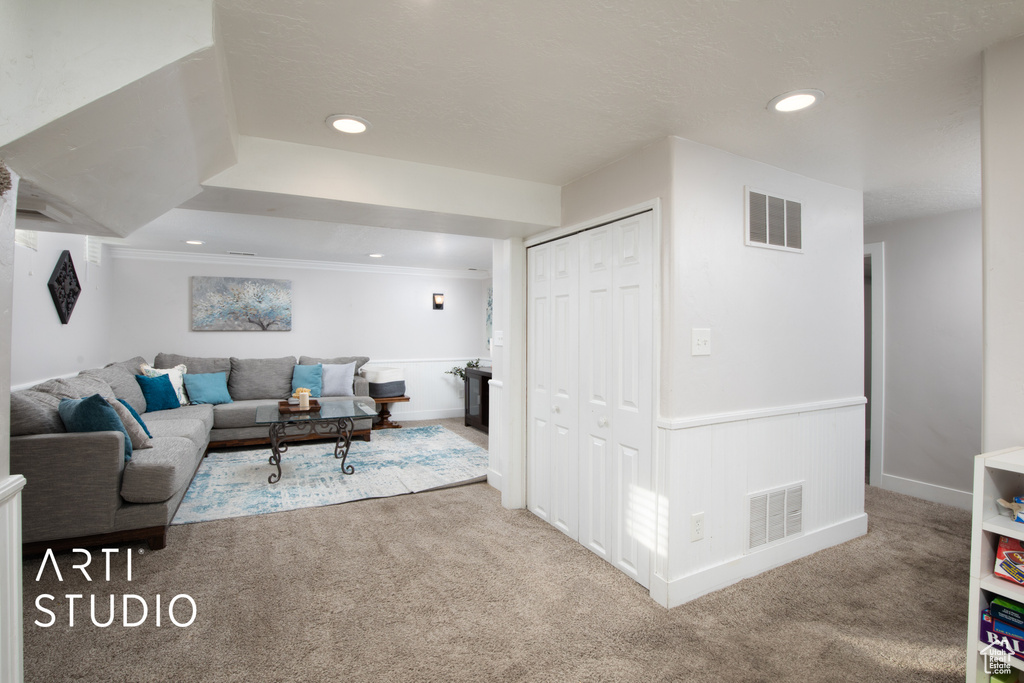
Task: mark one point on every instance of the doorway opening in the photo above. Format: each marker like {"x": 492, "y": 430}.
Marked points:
{"x": 874, "y": 363}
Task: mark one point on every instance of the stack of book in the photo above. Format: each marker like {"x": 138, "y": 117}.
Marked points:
{"x": 1002, "y": 627}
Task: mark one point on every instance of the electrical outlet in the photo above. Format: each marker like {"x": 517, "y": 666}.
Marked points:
{"x": 700, "y": 342}
{"x": 697, "y": 527}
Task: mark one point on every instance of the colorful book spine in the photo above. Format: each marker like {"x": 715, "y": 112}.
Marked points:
{"x": 1008, "y": 611}
{"x": 990, "y": 639}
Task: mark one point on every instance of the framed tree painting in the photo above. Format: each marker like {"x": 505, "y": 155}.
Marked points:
{"x": 235, "y": 303}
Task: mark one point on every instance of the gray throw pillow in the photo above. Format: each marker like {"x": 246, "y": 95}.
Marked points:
{"x": 135, "y": 431}
{"x": 261, "y": 378}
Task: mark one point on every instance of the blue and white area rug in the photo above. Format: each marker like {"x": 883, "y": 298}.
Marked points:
{"x": 395, "y": 462}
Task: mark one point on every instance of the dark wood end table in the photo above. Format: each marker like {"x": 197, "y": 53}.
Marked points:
{"x": 385, "y": 412}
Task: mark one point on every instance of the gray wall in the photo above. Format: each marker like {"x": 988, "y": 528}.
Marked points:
{"x": 933, "y": 350}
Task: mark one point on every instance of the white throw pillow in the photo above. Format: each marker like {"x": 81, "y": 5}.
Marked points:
{"x": 176, "y": 375}
{"x": 337, "y": 379}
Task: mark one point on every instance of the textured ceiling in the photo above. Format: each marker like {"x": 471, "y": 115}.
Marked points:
{"x": 549, "y": 91}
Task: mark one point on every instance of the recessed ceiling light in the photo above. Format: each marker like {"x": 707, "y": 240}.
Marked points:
{"x": 376, "y": 255}
{"x": 346, "y": 123}
{"x": 796, "y": 100}
{"x": 194, "y": 242}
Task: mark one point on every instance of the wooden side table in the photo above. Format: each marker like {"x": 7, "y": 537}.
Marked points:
{"x": 385, "y": 413}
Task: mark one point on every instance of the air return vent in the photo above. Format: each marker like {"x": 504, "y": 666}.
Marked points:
{"x": 774, "y": 515}
{"x": 773, "y": 222}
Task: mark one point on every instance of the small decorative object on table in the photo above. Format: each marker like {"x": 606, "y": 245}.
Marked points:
{"x": 300, "y": 402}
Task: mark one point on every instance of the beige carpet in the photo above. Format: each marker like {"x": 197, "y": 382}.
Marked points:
{"x": 448, "y": 586}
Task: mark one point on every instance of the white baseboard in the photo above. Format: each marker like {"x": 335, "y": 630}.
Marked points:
{"x": 682, "y": 590}
{"x": 438, "y": 414}
{"x": 494, "y": 479}
{"x": 926, "y": 491}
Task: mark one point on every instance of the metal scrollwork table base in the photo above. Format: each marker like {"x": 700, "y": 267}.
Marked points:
{"x": 334, "y": 419}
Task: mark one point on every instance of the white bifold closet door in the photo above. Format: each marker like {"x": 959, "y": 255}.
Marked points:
{"x": 590, "y": 397}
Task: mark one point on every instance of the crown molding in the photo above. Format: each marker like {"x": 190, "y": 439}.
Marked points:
{"x": 264, "y": 262}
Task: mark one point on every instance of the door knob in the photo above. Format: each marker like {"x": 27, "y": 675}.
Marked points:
{"x": 602, "y": 422}
{"x": 555, "y": 409}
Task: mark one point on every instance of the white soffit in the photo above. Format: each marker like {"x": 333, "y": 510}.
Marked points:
{"x": 128, "y": 157}
{"x": 272, "y": 167}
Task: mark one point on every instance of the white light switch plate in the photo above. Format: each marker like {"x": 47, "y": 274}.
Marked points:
{"x": 499, "y": 338}
{"x": 700, "y": 342}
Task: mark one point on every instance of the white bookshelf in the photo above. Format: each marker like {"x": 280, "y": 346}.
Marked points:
{"x": 999, "y": 474}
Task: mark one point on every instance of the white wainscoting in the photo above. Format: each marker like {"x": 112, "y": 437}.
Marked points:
{"x": 496, "y": 435}
{"x": 11, "y": 637}
{"x": 434, "y": 395}
{"x": 709, "y": 465}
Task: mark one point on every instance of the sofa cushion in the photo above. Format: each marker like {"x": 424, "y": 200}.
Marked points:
{"x": 308, "y": 376}
{"x": 121, "y": 380}
{"x": 202, "y": 412}
{"x": 86, "y": 385}
{"x": 360, "y": 361}
{"x": 35, "y": 412}
{"x": 261, "y": 378}
{"x": 240, "y": 414}
{"x": 93, "y": 414}
{"x": 157, "y": 473}
{"x": 191, "y": 428}
{"x": 58, "y": 388}
{"x": 195, "y": 364}
{"x": 207, "y": 387}
{"x": 159, "y": 393}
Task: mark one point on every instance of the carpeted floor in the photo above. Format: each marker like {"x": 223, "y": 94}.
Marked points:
{"x": 449, "y": 586}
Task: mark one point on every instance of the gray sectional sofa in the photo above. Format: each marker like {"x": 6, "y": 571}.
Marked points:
{"x": 81, "y": 492}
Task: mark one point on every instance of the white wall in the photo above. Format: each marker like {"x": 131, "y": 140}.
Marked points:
{"x": 1003, "y": 205}
{"x": 933, "y": 351}
{"x": 141, "y": 306}
{"x": 11, "y": 636}
{"x": 41, "y": 347}
{"x": 786, "y": 328}
{"x": 780, "y": 398}
{"x": 334, "y": 312}
{"x": 7, "y": 213}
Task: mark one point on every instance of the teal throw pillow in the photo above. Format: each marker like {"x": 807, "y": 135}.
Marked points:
{"x": 159, "y": 393}
{"x": 207, "y": 387}
{"x": 136, "y": 415}
{"x": 309, "y": 376}
{"x": 93, "y": 414}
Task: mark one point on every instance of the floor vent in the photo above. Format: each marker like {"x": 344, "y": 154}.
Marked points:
{"x": 773, "y": 222}
{"x": 774, "y": 516}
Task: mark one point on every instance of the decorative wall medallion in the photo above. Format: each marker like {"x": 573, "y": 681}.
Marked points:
{"x": 64, "y": 286}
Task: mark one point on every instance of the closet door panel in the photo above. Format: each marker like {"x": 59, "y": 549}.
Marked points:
{"x": 539, "y": 438}
{"x": 632, "y": 411}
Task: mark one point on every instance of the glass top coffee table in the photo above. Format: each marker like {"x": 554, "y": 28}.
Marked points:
{"x": 335, "y": 418}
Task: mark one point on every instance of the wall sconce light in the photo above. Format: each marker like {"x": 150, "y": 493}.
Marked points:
{"x": 438, "y": 302}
